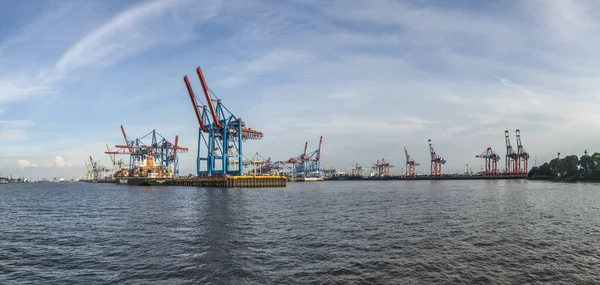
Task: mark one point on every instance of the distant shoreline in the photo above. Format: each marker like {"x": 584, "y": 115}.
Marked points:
{"x": 575, "y": 178}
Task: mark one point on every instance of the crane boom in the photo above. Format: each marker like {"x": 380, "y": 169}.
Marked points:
{"x": 320, "y": 147}
{"x": 112, "y": 156}
{"x": 209, "y": 100}
{"x": 176, "y": 147}
{"x": 305, "y": 148}
{"x": 124, "y": 135}
{"x": 195, "y": 103}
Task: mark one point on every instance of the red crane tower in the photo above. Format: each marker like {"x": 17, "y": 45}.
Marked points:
{"x": 436, "y": 161}
{"x": 491, "y": 161}
{"x": 522, "y": 156}
{"x": 411, "y": 165}
{"x": 511, "y": 157}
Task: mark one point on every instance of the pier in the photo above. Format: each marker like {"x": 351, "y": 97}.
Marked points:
{"x": 232, "y": 182}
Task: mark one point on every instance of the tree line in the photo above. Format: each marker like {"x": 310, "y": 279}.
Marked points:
{"x": 571, "y": 166}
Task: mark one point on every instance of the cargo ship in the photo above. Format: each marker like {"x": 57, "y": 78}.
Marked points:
{"x": 148, "y": 174}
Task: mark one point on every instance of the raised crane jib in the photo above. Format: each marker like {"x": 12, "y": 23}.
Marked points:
{"x": 431, "y": 151}
{"x": 195, "y": 104}
{"x": 305, "y": 148}
{"x": 320, "y": 148}
{"x": 209, "y": 100}
{"x": 124, "y": 135}
{"x": 175, "y": 148}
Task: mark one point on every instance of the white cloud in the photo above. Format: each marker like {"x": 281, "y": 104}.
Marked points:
{"x": 370, "y": 78}
{"x": 59, "y": 162}
{"x": 140, "y": 28}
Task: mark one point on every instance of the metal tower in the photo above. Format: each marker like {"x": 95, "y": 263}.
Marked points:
{"x": 220, "y": 135}
{"x": 95, "y": 170}
{"x": 511, "y": 157}
{"x": 382, "y": 167}
{"x": 411, "y": 165}
{"x": 357, "y": 169}
{"x": 307, "y": 164}
{"x": 522, "y": 156}
{"x": 436, "y": 161}
{"x": 491, "y": 161}
{"x": 163, "y": 153}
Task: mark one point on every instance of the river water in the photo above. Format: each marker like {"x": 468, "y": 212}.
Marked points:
{"x": 345, "y": 232}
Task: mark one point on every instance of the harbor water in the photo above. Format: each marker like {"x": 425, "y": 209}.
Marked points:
{"x": 344, "y": 232}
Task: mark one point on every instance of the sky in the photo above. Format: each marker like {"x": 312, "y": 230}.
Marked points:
{"x": 369, "y": 76}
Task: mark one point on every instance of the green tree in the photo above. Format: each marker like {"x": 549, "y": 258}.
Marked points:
{"x": 596, "y": 161}
{"x": 555, "y": 167}
{"x": 587, "y": 163}
{"x": 544, "y": 169}
{"x": 570, "y": 165}
{"x": 533, "y": 172}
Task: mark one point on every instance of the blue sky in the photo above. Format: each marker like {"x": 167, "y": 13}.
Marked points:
{"x": 371, "y": 77}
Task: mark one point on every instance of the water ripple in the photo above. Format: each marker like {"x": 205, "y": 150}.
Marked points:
{"x": 415, "y": 232}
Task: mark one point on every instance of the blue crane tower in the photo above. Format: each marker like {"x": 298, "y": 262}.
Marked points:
{"x": 307, "y": 164}
{"x": 220, "y": 135}
{"x": 162, "y": 151}
{"x": 491, "y": 161}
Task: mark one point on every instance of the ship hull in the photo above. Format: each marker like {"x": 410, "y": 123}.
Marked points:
{"x": 139, "y": 181}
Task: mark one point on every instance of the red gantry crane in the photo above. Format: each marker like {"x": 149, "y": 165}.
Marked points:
{"x": 436, "y": 161}
{"x": 411, "y": 165}
{"x": 511, "y": 157}
{"x": 522, "y": 156}
{"x": 491, "y": 161}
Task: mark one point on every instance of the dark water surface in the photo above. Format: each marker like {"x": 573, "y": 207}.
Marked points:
{"x": 388, "y": 232}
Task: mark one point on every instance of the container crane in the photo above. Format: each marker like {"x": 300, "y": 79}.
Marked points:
{"x": 95, "y": 170}
{"x": 522, "y": 156}
{"x": 90, "y": 170}
{"x": 356, "y": 170}
{"x": 160, "y": 154}
{"x": 220, "y": 134}
{"x": 381, "y": 167}
{"x": 436, "y": 161}
{"x": 307, "y": 164}
{"x": 511, "y": 156}
{"x": 411, "y": 165}
{"x": 491, "y": 161}
{"x": 116, "y": 164}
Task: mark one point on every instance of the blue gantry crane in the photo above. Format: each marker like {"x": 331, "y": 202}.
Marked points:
{"x": 491, "y": 161}
{"x": 307, "y": 164}
{"x": 221, "y": 134}
{"x": 163, "y": 153}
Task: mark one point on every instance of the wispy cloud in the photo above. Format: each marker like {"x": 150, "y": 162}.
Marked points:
{"x": 514, "y": 85}
{"x": 14, "y": 130}
{"x": 137, "y": 29}
{"x": 370, "y": 78}
{"x": 272, "y": 61}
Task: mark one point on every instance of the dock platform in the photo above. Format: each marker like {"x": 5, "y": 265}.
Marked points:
{"x": 232, "y": 181}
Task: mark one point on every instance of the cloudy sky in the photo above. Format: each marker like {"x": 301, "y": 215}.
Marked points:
{"x": 370, "y": 76}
